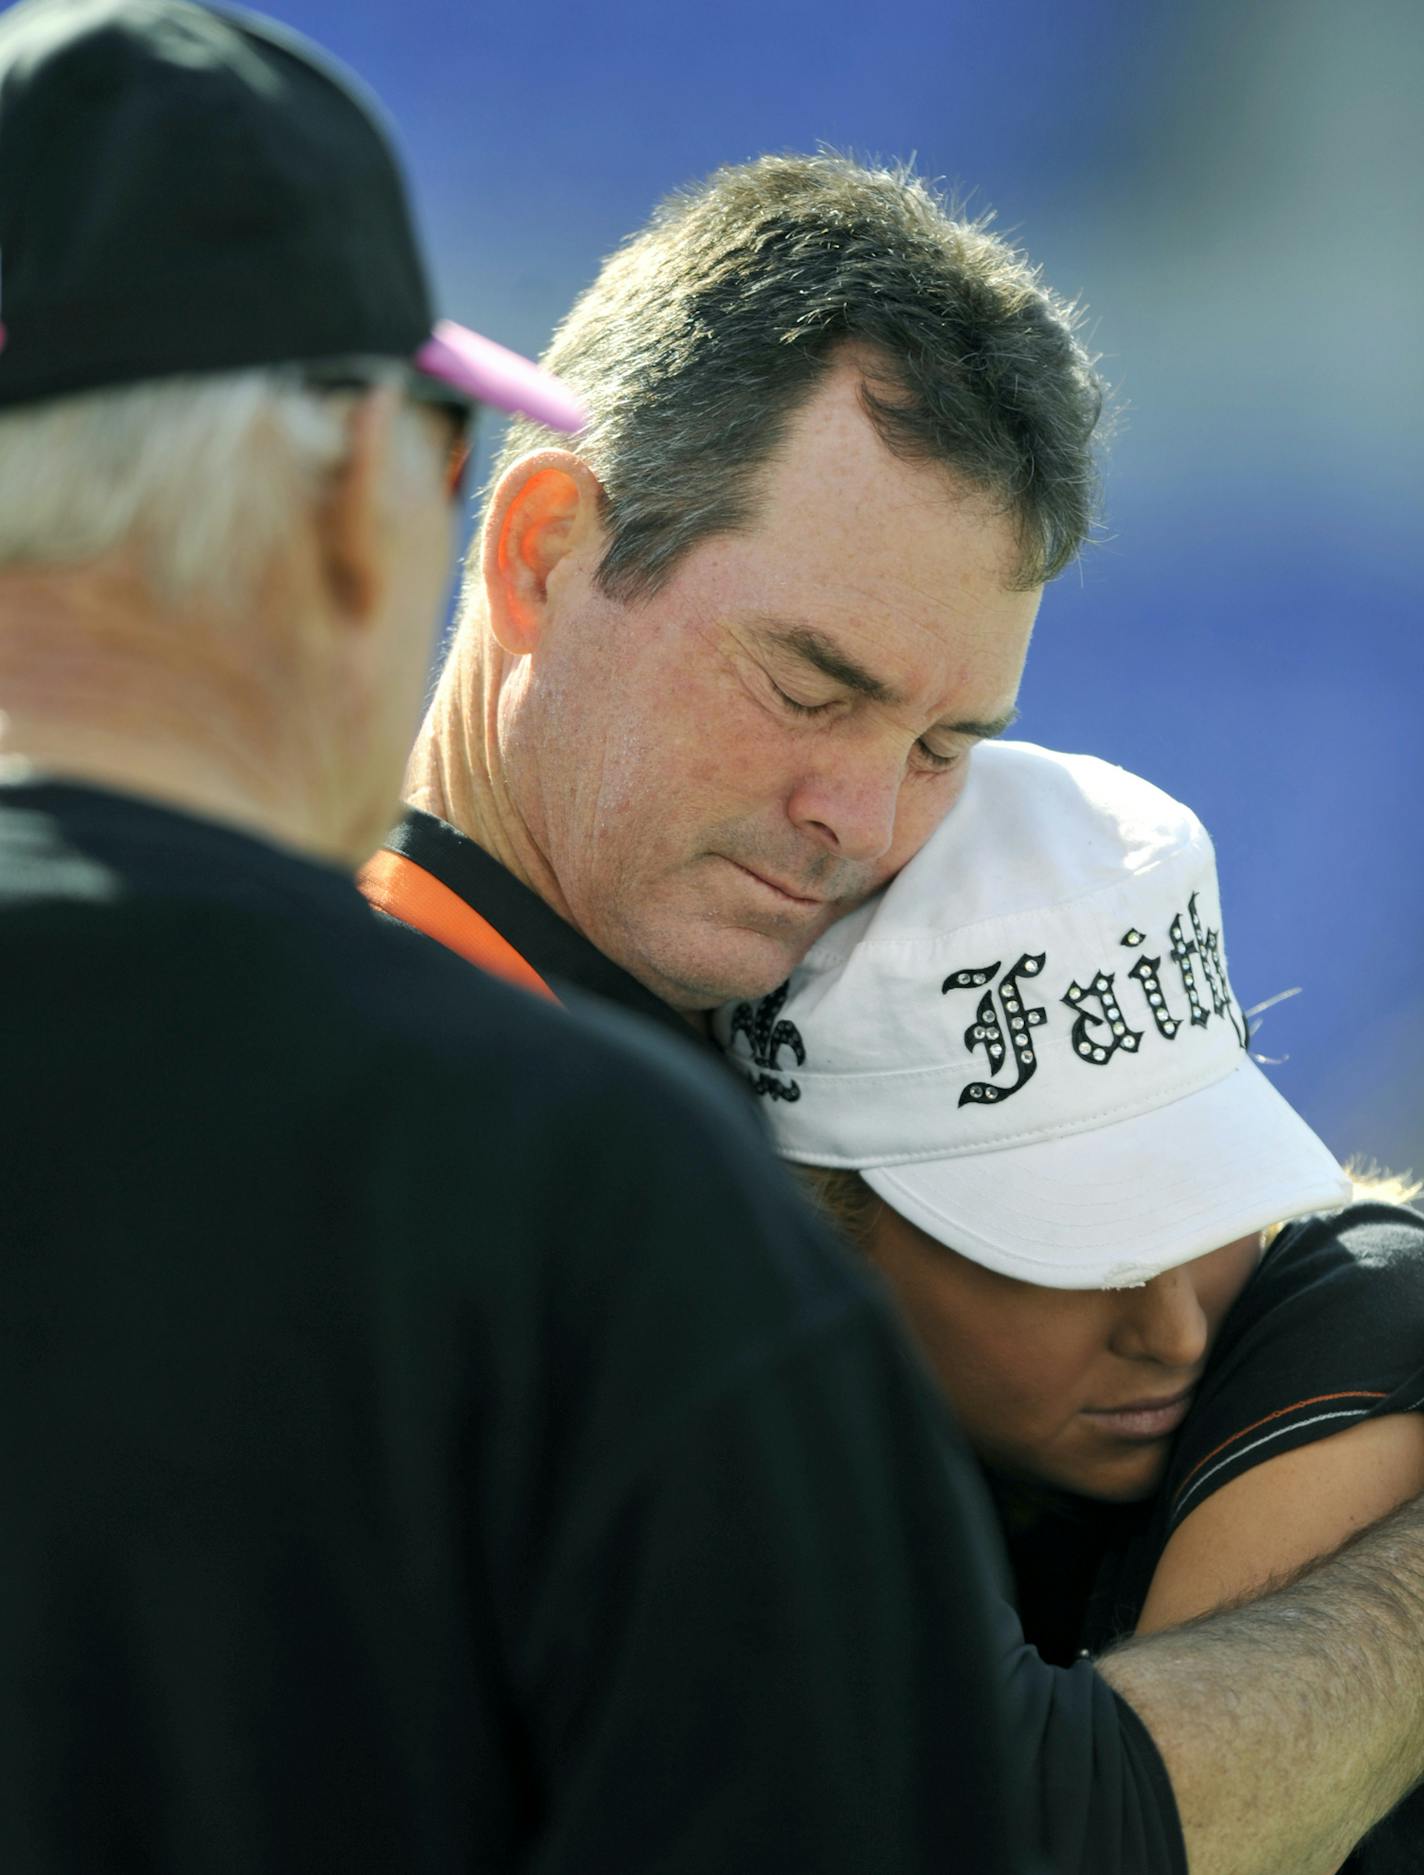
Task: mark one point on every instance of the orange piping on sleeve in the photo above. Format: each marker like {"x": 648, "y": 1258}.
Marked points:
{"x": 1318, "y": 1399}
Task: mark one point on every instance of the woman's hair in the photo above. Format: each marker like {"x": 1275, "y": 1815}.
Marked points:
{"x": 844, "y": 1198}
{"x": 850, "y": 1204}
{"x": 1371, "y": 1184}
{"x": 1375, "y": 1185}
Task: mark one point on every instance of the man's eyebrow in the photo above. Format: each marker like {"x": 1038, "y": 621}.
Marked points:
{"x": 823, "y": 655}
{"x": 984, "y": 732}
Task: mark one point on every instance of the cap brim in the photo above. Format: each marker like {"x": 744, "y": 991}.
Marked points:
{"x": 1114, "y": 1207}
{"x": 485, "y": 373}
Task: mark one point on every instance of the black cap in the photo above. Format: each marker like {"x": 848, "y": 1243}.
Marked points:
{"x": 186, "y": 190}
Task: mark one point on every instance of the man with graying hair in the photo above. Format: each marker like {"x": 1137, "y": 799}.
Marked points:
{"x": 436, "y": 1438}
{"x": 721, "y": 665}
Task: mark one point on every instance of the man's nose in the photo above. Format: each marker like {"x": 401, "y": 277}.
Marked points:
{"x": 848, "y": 802}
{"x": 1163, "y": 1322}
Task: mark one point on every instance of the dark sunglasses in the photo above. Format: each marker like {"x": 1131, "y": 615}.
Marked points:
{"x": 361, "y": 374}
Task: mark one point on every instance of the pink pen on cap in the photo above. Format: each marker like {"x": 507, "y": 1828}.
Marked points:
{"x": 494, "y": 375}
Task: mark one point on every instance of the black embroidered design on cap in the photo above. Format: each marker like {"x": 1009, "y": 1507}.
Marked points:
{"x": 1099, "y": 1048}
{"x": 766, "y": 1037}
{"x": 1183, "y": 950}
{"x": 1146, "y": 970}
{"x": 1003, "y": 1023}
{"x": 988, "y": 1030}
{"x": 1208, "y": 945}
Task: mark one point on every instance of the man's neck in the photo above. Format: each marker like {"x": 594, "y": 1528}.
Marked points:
{"x": 456, "y": 774}
{"x": 103, "y": 689}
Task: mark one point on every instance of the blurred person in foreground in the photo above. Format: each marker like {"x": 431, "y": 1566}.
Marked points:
{"x": 720, "y": 669}
{"x": 1186, "y": 1346}
{"x": 365, "y": 1503}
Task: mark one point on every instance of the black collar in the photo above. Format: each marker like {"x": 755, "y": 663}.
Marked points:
{"x": 545, "y": 940}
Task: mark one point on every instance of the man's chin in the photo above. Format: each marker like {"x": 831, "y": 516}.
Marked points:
{"x": 744, "y": 967}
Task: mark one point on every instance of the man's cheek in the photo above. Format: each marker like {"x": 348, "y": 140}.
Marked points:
{"x": 713, "y": 769}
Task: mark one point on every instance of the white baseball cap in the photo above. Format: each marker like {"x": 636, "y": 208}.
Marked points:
{"x": 1027, "y": 1044}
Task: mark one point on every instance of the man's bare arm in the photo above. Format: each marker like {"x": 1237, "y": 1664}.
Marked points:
{"x": 1291, "y": 1726}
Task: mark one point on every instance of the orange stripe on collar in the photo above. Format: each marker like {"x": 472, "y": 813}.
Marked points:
{"x": 396, "y": 885}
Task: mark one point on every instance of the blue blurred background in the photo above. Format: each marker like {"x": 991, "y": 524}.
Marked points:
{"x": 1235, "y": 194}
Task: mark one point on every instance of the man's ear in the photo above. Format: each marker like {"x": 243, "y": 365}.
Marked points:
{"x": 351, "y": 523}
{"x": 546, "y": 508}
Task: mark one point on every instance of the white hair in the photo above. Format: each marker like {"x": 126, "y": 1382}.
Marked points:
{"x": 206, "y": 477}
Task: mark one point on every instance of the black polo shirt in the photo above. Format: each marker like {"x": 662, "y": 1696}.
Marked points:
{"x": 435, "y": 1438}
{"x": 1117, "y": 1816}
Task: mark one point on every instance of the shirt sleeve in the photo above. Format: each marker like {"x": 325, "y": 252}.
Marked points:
{"x": 1099, "y": 1799}
{"x": 768, "y": 1655}
{"x": 840, "y": 1683}
{"x": 761, "y": 1622}
{"x": 1330, "y": 1331}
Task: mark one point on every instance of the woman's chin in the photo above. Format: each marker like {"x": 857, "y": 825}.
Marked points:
{"x": 1128, "y": 1480}
{"x": 1126, "y": 1477}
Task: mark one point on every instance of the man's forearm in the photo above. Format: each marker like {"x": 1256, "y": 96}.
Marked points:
{"x": 1292, "y": 1725}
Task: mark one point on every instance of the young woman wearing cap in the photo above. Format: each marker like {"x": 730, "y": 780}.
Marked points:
{"x": 1020, "y": 1081}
